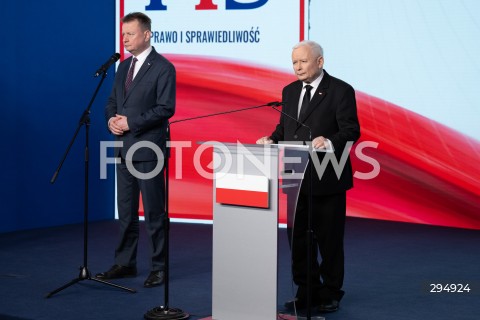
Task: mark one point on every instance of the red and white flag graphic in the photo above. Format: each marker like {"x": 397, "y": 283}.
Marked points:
{"x": 241, "y": 190}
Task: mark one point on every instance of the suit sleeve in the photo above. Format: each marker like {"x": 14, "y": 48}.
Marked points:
{"x": 347, "y": 120}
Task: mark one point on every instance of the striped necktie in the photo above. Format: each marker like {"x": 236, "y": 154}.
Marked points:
{"x": 129, "y": 80}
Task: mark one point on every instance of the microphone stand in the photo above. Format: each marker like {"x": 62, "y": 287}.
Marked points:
{"x": 165, "y": 312}
{"x": 309, "y": 213}
{"x": 84, "y": 272}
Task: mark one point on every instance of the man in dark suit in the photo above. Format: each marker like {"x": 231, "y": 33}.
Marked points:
{"x": 137, "y": 112}
{"x": 327, "y": 106}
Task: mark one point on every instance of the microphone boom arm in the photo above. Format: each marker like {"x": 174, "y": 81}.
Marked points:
{"x": 270, "y": 104}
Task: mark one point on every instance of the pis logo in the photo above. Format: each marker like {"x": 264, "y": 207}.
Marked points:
{"x": 209, "y": 5}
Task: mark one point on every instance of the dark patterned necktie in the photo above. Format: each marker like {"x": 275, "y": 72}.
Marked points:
{"x": 305, "y": 102}
{"x": 129, "y": 80}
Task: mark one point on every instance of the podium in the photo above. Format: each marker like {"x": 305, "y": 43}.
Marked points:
{"x": 246, "y": 187}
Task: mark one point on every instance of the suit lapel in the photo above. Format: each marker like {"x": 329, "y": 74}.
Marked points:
{"x": 124, "y": 75}
{"x": 295, "y": 97}
{"x": 143, "y": 70}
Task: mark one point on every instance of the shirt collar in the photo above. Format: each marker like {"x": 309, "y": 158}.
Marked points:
{"x": 315, "y": 83}
{"x": 143, "y": 56}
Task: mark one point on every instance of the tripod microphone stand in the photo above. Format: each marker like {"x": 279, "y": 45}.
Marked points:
{"x": 165, "y": 312}
{"x": 84, "y": 272}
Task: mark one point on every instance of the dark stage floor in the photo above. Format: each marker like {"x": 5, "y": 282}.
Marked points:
{"x": 390, "y": 271}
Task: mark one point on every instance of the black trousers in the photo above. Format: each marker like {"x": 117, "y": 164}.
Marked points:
{"x": 129, "y": 186}
{"x": 328, "y": 226}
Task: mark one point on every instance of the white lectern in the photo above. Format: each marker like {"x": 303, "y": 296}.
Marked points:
{"x": 247, "y": 179}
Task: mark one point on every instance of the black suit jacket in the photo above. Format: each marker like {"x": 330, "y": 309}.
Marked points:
{"x": 148, "y": 105}
{"x": 332, "y": 113}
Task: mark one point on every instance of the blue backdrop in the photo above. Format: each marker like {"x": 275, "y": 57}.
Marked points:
{"x": 51, "y": 50}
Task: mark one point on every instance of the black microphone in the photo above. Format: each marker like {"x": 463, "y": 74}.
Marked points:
{"x": 275, "y": 103}
{"x": 107, "y": 64}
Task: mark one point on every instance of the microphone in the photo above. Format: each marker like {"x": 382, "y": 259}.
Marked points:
{"x": 107, "y": 64}
{"x": 274, "y": 103}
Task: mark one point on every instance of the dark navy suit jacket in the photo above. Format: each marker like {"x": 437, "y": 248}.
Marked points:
{"x": 148, "y": 105}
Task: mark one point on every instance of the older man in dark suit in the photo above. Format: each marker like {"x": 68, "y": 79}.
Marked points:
{"x": 137, "y": 112}
{"x": 327, "y": 106}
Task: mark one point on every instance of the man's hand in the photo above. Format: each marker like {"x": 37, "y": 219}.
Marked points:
{"x": 122, "y": 122}
{"x": 320, "y": 143}
{"x": 118, "y": 125}
{"x": 265, "y": 140}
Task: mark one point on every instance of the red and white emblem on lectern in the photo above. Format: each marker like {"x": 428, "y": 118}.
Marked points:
{"x": 241, "y": 190}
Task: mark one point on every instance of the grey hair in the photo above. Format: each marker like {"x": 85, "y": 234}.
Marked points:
{"x": 316, "y": 48}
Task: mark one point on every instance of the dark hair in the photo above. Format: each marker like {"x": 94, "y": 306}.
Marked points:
{"x": 144, "y": 21}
